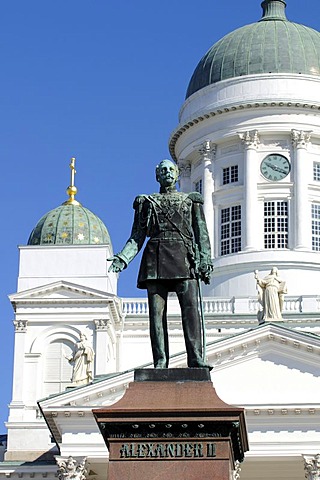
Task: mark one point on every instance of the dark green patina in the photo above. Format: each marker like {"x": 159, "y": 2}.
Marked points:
{"x": 271, "y": 45}
{"x": 176, "y": 257}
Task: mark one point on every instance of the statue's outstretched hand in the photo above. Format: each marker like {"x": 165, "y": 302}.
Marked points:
{"x": 117, "y": 264}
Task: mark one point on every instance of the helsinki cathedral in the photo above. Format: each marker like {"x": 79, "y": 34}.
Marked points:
{"x": 248, "y": 140}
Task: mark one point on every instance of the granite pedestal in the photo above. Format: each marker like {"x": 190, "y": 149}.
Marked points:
{"x": 171, "y": 424}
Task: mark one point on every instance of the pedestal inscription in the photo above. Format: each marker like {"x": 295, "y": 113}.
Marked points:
{"x": 174, "y": 450}
{"x": 172, "y": 424}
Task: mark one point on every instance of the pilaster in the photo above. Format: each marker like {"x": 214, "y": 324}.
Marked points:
{"x": 302, "y": 210}
{"x": 208, "y": 151}
{"x": 250, "y": 141}
{"x": 19, "y": 364}
{"x": 103, "y": 329}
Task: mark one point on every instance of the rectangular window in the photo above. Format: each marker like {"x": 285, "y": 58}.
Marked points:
{"x": 230, "y": 174}
{"x": 315, "y": 215}
{"x": 276, "y": 224}
{"x": 198, "y": 186}
{"x": 230, "y": 233}
{"x": 316, "y": 171}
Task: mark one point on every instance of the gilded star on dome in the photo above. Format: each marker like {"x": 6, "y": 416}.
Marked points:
{"x": 80, "y": 236}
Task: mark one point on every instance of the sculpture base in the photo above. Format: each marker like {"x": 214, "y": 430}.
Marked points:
{"x": 171, "y": 424}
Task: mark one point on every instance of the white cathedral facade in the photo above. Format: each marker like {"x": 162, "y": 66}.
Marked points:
{"x": 248, "y": 139}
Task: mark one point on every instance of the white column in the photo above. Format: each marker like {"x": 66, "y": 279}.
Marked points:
{"x": 312, "y": 467}
{"x": 18, "y": 365}
{"x": 185, "y": 175}
{"x": 250, "y": 141}
{"x": 208, "y": 152}
{"x": 302, "y": 210}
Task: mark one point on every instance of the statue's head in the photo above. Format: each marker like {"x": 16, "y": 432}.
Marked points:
{"x": 167, "y": 173}
{"x": 274, "y": 271}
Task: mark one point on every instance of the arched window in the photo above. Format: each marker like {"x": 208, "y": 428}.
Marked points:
{"x": 57, "y": 369}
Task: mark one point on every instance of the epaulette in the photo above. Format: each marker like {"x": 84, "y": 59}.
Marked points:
{"x": 196, "y": 197}
{"x": 138, "y": 201}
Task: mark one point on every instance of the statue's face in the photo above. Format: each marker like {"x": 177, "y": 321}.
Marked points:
{"x": 167, "y": 173}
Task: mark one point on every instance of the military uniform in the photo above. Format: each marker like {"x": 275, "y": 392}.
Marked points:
{"x": 177, "y": 251}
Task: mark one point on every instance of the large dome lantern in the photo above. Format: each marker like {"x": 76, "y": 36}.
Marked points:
{"x": 272, "y": 45}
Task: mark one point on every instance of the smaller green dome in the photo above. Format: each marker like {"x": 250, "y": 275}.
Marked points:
{"x": 69, "y": 225}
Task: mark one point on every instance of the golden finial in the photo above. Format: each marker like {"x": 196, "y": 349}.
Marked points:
{"x": 72, "y": 189}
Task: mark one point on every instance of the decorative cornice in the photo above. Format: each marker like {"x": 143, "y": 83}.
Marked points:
{"x": 226, "y": 110}
{"x": 283, "y": 411}
{"x": 233, "y": 349}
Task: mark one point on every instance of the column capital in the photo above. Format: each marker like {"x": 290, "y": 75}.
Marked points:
{"x": 184, "y": 168}
{"x": 102, "y": 324}
{"x": 71, "y": 469}
{"x": 250, "y": 138}
{"x": 207, "y": 149}
{"x": 300, "y": 138}
{"x": 20, "y": 325}
{"x": 312, "y": 466}
{"x": 237, "y": 470}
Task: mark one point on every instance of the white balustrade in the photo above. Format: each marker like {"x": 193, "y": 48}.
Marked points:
{"x": 135, "y": 306}
{"x": 218, "y": 305}
{"x": 230, "y": 306}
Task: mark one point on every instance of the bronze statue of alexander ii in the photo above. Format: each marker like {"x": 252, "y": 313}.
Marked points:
{"x": 176, "y": 257}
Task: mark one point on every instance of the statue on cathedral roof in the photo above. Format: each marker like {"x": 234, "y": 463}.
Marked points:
{"x": 271, "y": 290}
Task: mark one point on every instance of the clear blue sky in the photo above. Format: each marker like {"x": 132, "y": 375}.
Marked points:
{"x": 102, "y": 80}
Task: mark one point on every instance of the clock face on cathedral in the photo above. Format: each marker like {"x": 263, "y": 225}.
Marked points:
{"x": 275, "y": 167}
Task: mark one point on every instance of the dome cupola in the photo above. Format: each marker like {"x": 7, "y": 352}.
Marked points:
{"x": 70, "y": 223}
{"x": 271, "y": 45}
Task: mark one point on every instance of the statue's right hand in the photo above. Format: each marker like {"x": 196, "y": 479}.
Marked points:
{"x": 117, "y": 264}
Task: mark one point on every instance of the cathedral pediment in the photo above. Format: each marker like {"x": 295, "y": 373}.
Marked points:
{"x": 59, "y": 291}
{"x": 264, "y": 366}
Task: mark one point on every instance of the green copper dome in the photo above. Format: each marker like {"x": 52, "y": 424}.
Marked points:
{"x": 69, "y": 225}
{"x": 272, "y": 45}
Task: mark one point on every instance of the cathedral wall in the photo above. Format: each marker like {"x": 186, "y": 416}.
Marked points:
{"x": 84, "y": 265}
